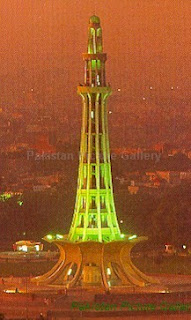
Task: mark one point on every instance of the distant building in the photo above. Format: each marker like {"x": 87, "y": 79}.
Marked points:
{"x": 186, "y": 175}
{"x": 164, "y": 148}
{"x": 189, "y": 154}
{"x": 148, "y": 182}
{"x": 27, "y": 246}
{"x": 172, "y": 177}
{"x": 133, "y": 189}
{"x": 41, "y": 188}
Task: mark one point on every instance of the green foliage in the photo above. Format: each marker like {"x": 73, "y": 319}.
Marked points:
{"x": 167, "y": 265}
{"x": 25, "y": 269}
{"x": 40, "y": 213}
{"x": 171, "y": 219}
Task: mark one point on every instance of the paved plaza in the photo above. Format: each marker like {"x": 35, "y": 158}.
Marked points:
{"x": 22, "y": 299}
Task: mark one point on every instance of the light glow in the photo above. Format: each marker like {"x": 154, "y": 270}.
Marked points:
{"x": 49, "y": 237}
{"x": 69, "y": 272}
{"x": 59, "y": 236}
{"x": 132, "y": 237}
{"x": 24, "y": 248}
{"x": 108, "y": 271}
{"x": 37, "y": 247}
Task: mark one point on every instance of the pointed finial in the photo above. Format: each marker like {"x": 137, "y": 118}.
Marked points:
{"x": 94, "y": 20}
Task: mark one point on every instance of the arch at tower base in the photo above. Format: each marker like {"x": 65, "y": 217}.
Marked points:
{"x": 87, "y": 264}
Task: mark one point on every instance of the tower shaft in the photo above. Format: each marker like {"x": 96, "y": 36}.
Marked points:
{"x": 94, "y": 214}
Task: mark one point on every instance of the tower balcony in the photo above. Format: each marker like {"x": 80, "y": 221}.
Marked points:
{"x": 95, "y": 56}
{"x": 86, "y": 89}
{"x": 94, "y": 191}
{"x": 94, "y": 231}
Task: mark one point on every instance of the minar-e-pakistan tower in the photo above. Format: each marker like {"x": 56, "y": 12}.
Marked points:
{"x": 94, "y": 216}
{"x": 95, "y": 252}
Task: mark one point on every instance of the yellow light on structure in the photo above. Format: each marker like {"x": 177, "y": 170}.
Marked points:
{"x": 132, "y": 237}
{"x": 108, "y": 271}
{"x": 20, "y": 203}
{"x": 24, "y": 248}
{"x": 69, "y": 272}
{"x": 59, "y": 236}
{"x": 49, "y": 237}
{"x": 184, "y": 246}
{"x": 37, "y": 247}
{"x": 9, "y": 291}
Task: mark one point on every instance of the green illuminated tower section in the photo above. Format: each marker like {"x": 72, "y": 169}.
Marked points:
{"x": 94, "y": 215}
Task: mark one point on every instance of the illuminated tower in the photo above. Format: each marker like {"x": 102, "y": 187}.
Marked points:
{"x": 94, "y": 214}
{"x": 94, "y": 253}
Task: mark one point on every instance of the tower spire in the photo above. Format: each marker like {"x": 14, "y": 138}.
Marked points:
{"x": 94, "y": 35}
{"x": 94, "y": 215}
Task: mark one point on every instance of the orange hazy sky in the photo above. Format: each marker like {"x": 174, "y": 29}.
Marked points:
{"x": 148, "y": 42}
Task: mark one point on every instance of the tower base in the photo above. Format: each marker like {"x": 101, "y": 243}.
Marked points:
{"x": 87, "y": 264}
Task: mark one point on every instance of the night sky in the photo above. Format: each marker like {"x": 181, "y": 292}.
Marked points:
{"x": 148, "y": 45}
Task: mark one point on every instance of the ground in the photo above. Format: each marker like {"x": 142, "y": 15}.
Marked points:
{"x": 173, "y": 294}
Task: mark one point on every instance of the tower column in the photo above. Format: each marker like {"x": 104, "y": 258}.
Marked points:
{"x": 97, "y": 169}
